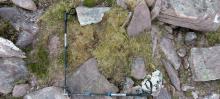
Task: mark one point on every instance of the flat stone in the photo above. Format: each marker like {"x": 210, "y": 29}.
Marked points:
{"x": 46, "y": 93}
{"x": 164, "y": 94}
{"x": 167, "y": 47}
{"x": 8, "y": 49}
{"x": 138, "y": 70}
{"x": 11, "y": 69}
{"x": 88, "y": 16}
{"x": 204, "y": 63}
{"x": 88, "y": 78}
{"x": 26, "y": 4}
{"x": 140, "y": 20}
{"x": 20, "y": 90}
{"x": 172, "y": 74}
{"x": 193, "y": 14}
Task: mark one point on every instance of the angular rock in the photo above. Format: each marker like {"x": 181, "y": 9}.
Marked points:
{"x": 46, "y": 93}
{"x": 187, "y": 87}
{"x": 204, "y": 63}
{"x": 8, "y": 49}
{"x": 88, "y": 78}
{"x": 20, "y": 90}
{"x": 190, "y": 38}
{"x": 186, "y": 63}
{"x": 11, "y": 69}
{"x": 172, "y": 74}
{"x": 170, "y": 52}
{"x": 88, "y": 16}
{"x": 138, "y": 70}
{"x": 156, "y": 9}
{"x": 164, "y": 94}
{"x": 26, "y": 4}
{"x": 156, "y": 79}
{"x": 194, "y": 14}
{"x": 122, "y": 3}
{"x": 140, "y": 20}
{"x": 195, "y": 94}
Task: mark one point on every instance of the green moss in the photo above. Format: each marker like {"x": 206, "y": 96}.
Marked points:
{"x": 7, "y": 30}
{"x": 213, "y": 38}
{"x": 115, "y": 50}
{"x": 89, "y": 3}
{"x": 188, "y": 93}
{"x": 39, "y": 62}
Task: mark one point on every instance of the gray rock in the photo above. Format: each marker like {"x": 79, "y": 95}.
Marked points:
{"x": 172, "y": 74}
{"x": 140, "y": 20}
{"x": 190, "y": 38}
{"x": 195, "y": 94}
{"x": 88, "y": 16}
{"x": 186, "y": 63}
{"x": 167, "y": 47}
{"x": 122, "y": 3}
{"x": 212, "y": 96}
{"x": 194, "y": 14}
{"x": 156, "y": 9}
{"x": 181, "y": 52}
{"x": 88, "y": 78}
{"x": 47, "y": 93}
{"x": 26, "y": 4}
{"x": 20, "y": 90}
{"x": 164, "y": 94}
{"x": 11, "y": 69}
{"x": 154, "y": 35}
{"x": 187, "y": 87}
{"x": 8, "y": 49}
{"x": 24, "y": 39}
{"x": 204, "y": 63}
{"x": 138, "y": 70}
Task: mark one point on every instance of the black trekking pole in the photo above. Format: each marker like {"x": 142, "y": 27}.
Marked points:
{"x": 66, "y": 14}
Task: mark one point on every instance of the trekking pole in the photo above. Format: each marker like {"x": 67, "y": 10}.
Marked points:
{"x": 66, "y": 14}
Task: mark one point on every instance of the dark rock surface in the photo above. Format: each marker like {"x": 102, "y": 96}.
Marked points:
{"x": 88, "y": 78}
{"x": 11, "y": 69}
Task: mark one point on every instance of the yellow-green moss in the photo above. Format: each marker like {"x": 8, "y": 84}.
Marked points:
{"x": 213, "y": 38}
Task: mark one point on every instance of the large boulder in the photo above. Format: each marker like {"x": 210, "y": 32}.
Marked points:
{"x": 26, "y": 4}
{"x": 204, "y": 63}
{"x": 11, "y": 70}
{"x": 168, "y": 48}
{"x": 88, "y": 16}
{"x": 88, "y": 78}
{"x": 140, "y": 21}
{"x": 46, "y": 93}
{"x": 194, "y": 14}
{"x": 8, "y": 49}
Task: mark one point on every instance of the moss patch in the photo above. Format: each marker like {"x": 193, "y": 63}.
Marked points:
{"x": 213, "y": 38}
{"x": 7, "y": 30}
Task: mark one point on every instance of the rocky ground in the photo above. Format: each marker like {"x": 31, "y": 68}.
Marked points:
{"x": 112, "y": 46}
